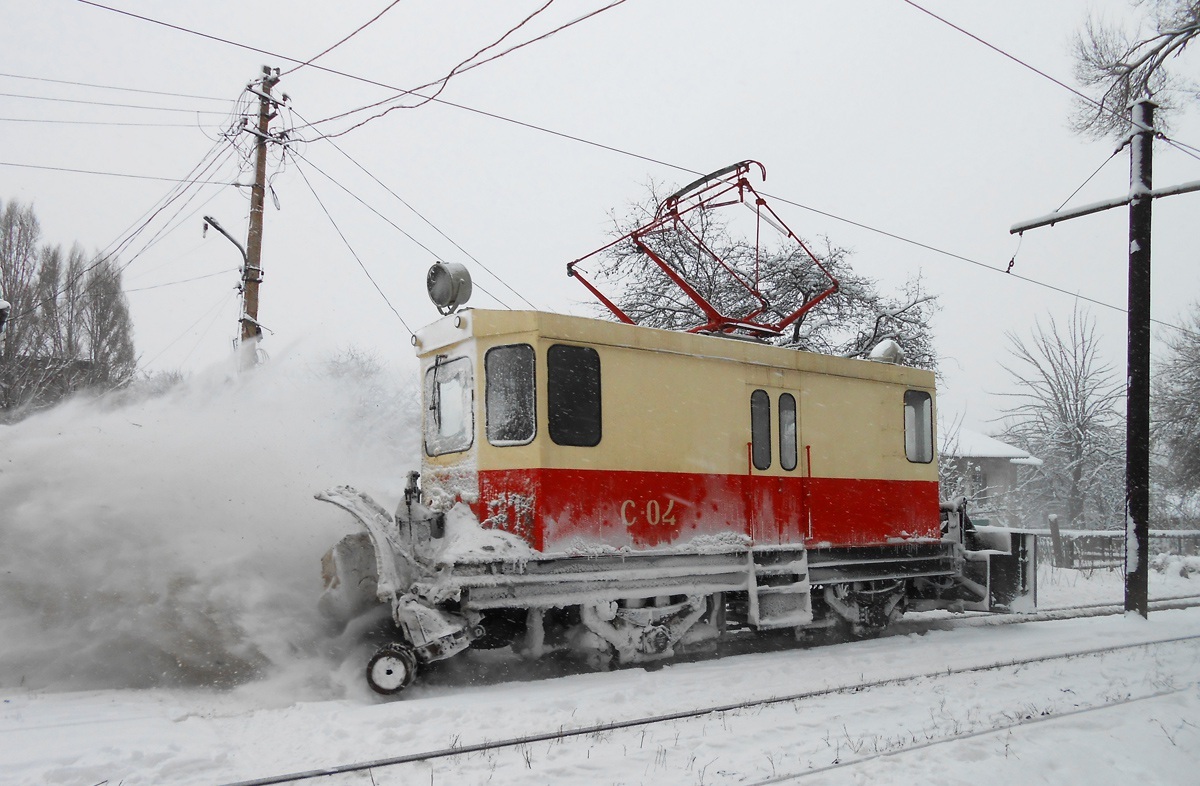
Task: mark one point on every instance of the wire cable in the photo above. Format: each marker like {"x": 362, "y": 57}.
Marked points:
{"x": 207, "y": 327}
{"x": 649, "y": 159}
{"x": 112, "y": 87}
{"x": 433, "y": 226}
{"x": 130, "y": 233}
{"x": 968, "y": 260}
{"x": 225, "y": 298}
{"x": 352, "y": 251}
{"x": 463, "y": 66}
{"x": 183, "y": 281}
{"x": 99, "y": 123}
{"x": 1018, "y": 61}
{"x": 402, "y": 231}
{"x": 119, "y": 174}
{"x": 107, "y": 103}
{"x": 361, "y": 27}
{"x": 1089, "y": 179}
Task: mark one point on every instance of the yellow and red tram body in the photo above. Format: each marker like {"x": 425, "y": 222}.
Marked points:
{"x": 582, "y": 436}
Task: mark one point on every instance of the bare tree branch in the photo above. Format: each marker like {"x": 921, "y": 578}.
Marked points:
{"x": 1123, "y": 67}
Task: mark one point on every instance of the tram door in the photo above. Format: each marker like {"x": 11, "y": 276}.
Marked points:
{"x": 775, "y": 498}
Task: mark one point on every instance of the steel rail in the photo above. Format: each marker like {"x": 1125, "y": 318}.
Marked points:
{"x": 601, "y": 728}
{"x": 795, "y": 776}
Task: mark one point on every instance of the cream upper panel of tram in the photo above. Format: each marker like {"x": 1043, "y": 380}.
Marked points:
{"x": 675, "y": 402}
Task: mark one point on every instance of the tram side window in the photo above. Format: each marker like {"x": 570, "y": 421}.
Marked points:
{"x": 918, "y": 426}
{"x": 760, "y": 429}
{"x": 509, "y": 372}
{"x": 449, "y": 406}
{"x": 573, "y": 395}
{"x": 787, "y": 431}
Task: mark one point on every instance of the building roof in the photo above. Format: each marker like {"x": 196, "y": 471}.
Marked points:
{"x": 964, "y": 443}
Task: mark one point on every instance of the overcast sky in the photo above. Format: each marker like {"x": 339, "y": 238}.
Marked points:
{"x": 868, "y": 112}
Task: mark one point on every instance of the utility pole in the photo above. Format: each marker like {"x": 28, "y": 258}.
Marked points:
{"x": 252, "y": 272}
{"x": 1137, "y": 398}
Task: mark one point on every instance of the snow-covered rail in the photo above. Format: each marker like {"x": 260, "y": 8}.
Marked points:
{"x": 1079, "y": 611}
{"x": 1026, "y": 720}
{"x": 559, "y": 735}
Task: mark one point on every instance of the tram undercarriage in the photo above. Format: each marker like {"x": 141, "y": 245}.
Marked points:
{"x": 641, "y": 607}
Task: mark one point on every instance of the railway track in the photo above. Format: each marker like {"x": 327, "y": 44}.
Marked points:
{"x": 795, "y": 777}
{"x": 1081, "y": 611}
{"x": 1074, "y": 612}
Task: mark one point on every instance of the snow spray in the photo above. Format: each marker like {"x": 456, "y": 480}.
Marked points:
{"x": 172, "y": 539}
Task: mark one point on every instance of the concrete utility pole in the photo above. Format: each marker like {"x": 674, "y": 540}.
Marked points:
{"x": 1137, "y": 399}
{"x": 252, "y": 273}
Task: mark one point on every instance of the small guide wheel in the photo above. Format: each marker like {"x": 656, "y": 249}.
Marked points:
{"x": 392, "y": 669}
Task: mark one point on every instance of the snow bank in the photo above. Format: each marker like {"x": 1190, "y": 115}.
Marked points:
{"x": 173, "y": 540}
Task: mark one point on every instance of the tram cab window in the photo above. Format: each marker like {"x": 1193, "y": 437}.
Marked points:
{"x": 760, "y": 429}
{"x": 787, "y": 431}
{"x": 509, "y": 374}
{"x": 918, "y": 426}
{"x": 449, "y": 406}
{"x": 573, "y": 395}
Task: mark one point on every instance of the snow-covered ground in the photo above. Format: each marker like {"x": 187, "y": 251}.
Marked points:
{"x": 1013, "y": 724}
{"x": 158, "y": 576}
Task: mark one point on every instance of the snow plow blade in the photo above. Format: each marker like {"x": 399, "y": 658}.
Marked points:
{"x": 367, "y": 567}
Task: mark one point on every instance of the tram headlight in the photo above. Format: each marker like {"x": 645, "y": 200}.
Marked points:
{"x": 448, "y": 285}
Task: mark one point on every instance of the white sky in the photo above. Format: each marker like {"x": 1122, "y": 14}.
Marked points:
{"x": 871, "y": 111}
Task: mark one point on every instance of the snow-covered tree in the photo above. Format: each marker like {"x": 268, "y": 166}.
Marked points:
{"x": 69, "y": 326}
{"x": 1066, "y": 411}
{"x": 1123, "y": 66}
{"x": 1175, "y": 407}
{"x": 849, "y": 323}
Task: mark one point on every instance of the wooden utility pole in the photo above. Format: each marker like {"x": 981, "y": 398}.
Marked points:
{"x": 1137, "y": 399}
{"x": 252, "y": 273}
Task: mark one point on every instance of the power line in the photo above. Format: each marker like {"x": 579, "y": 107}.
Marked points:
{"x": 360, "y": 28}
{"x": 335, "y": 72}
{"x": 399, "y": 229}
{"x": 968, "y": 260}
{"x": 112, "y": 87}
{"x": 353, "y": 253}
{"x": 167, "y": 228}
{"x": 106, "y": 103}
{"x": 1187, "y": 150}
{"x": 1016, "y": 60}
{"x": 182, "y": 281}
{"x": 649, "y": 159}
{"x": 123, "y": 240}
{"x": 208, "y": 327}
{"x": 421, "y": 216}
{"x": 462, "y": 67}
{"x": 118, "y": 174}
{"x": 100, "y": 123}
{"x": 225, "y": 298}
